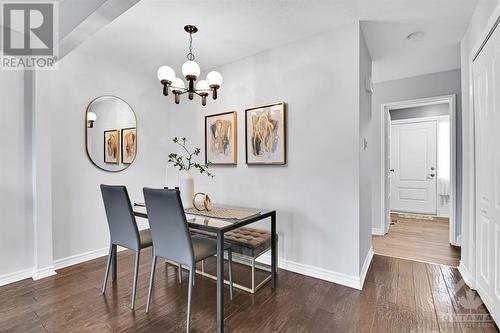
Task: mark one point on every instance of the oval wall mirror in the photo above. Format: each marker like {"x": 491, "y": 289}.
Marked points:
{"x": 111, "y": 133}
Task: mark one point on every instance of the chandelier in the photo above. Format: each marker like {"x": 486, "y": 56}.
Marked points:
{"x": 191, "y": 72}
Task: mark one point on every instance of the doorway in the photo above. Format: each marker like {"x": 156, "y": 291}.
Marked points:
{"x": 418, "y": 181}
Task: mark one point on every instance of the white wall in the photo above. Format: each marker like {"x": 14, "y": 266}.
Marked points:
{"x": 437, "y": 84}
{"x": 421, "y": 111}
{"x": 472, "y": 37}
{"x": 16, "y": 237}
{"x": 317, "y": 193}
{"x": 365, "y": 164}
{"x": 79, "y": 222}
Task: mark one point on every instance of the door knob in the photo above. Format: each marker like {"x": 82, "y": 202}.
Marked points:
{"x": 432, "y": 175}
{"x": 391, "y": 170}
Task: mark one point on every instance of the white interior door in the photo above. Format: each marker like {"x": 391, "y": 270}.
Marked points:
{"x": 486, "y": 81}
{"x": 413, "y": 167}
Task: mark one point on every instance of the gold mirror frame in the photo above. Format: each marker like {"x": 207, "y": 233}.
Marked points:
{"x": 88, "y": 108}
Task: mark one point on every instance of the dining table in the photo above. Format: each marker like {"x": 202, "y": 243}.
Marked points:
{"x": 204, "y": 221}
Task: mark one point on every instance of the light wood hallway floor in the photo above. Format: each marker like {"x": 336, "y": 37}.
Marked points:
{"x": 418, "y": 239}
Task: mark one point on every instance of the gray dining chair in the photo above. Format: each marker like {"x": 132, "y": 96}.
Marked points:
{"x": 123, "y": 231}
{"x": 173, "y": 241}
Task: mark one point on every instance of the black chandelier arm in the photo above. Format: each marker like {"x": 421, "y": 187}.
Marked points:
{"x": 202, "y": 95}
{"x": 197, "y": 92}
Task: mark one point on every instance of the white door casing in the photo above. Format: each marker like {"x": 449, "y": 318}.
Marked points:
{"x": 413, "y": 167}
{"x": 486, "y": 82}
{"x": 387, "y": 178}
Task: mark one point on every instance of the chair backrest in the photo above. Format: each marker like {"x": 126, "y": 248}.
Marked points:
{"x": 169, "y": 229}
{"x": 121, "y": 220}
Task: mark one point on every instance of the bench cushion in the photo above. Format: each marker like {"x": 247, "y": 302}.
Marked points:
{"x": 247, "y": 241}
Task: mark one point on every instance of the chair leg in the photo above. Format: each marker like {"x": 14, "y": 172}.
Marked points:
{"x": 136, "y": 273}
{"x": 180, "y": 273}
{"x": 230, "y": 259}
{"x": 151, "y": 282}
{"x": 190, "y": 289}
{"x": 203, "y": 265}
{"x": 106, "y": 275}
{"x": 114, "y": 273}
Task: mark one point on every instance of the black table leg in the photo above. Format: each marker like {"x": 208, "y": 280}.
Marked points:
{"x": 114, "y": 271}
{"x": 274, "y": 251}
{"x": 220, "y": 282}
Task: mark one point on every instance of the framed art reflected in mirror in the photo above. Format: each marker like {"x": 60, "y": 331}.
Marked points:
{"x": 112, "y": 146}
{"x": 129, "y": 144}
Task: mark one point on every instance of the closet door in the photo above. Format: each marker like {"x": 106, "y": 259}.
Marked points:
{"x": 486, "y": 81}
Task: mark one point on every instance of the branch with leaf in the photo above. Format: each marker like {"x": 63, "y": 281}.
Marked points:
{"x": 187, "y": 162}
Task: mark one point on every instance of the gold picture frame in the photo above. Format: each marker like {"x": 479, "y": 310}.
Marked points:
{"x": 128, "y": 144}
{"x": 221, "y": 138}
{"x": 112, "y": 146}
{"x": 265, "y": 135}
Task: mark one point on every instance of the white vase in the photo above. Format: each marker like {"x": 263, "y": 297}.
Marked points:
{"x": 186, "y": 187}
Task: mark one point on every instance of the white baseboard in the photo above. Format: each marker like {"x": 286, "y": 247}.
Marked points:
{"x": 16, "y": 276}
{"x": 308, "y": 270}
{"x": 51, "y": 270}
{"x": 43, "y": 272}
{"x": 365, "y": 267}
{"x": 82, "y": 257}
{"x": 79, "y": 258}
{"x": 378, "y": 231}
{"x": 351, "y": 281}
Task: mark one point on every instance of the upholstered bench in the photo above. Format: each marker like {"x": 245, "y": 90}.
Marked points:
{"x": 246, "y": 242}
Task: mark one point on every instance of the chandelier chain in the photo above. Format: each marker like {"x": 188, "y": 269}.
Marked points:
{"x": 190, "y": 55}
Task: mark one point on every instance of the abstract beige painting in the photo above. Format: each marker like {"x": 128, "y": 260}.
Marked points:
{"x": 112, "y": 146}
{"x": 265, "y": 136}
{"x": 129, "y": 144}
{"x": 220, "y": 138}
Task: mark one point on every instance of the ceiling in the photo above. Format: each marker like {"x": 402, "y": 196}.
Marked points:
{"x": 151, "y": 32}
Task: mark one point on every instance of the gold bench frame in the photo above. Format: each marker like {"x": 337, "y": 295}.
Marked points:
{"x": 242, "y": 259}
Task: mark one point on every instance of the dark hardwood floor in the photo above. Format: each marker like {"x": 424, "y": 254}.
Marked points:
{"x": 399, "y": 296}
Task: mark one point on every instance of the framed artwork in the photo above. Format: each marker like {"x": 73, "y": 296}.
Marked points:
{"x": 265, "y": 134}
{"x": 220, "y": 139}
{"x": 112, "y": 146}
{"x": 129, "y": 144}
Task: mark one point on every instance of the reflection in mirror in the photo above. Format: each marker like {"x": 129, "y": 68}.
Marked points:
{"x": 111, "y": 133}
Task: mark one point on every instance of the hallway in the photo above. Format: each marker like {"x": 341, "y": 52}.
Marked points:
{"x": 419, "y": 239}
